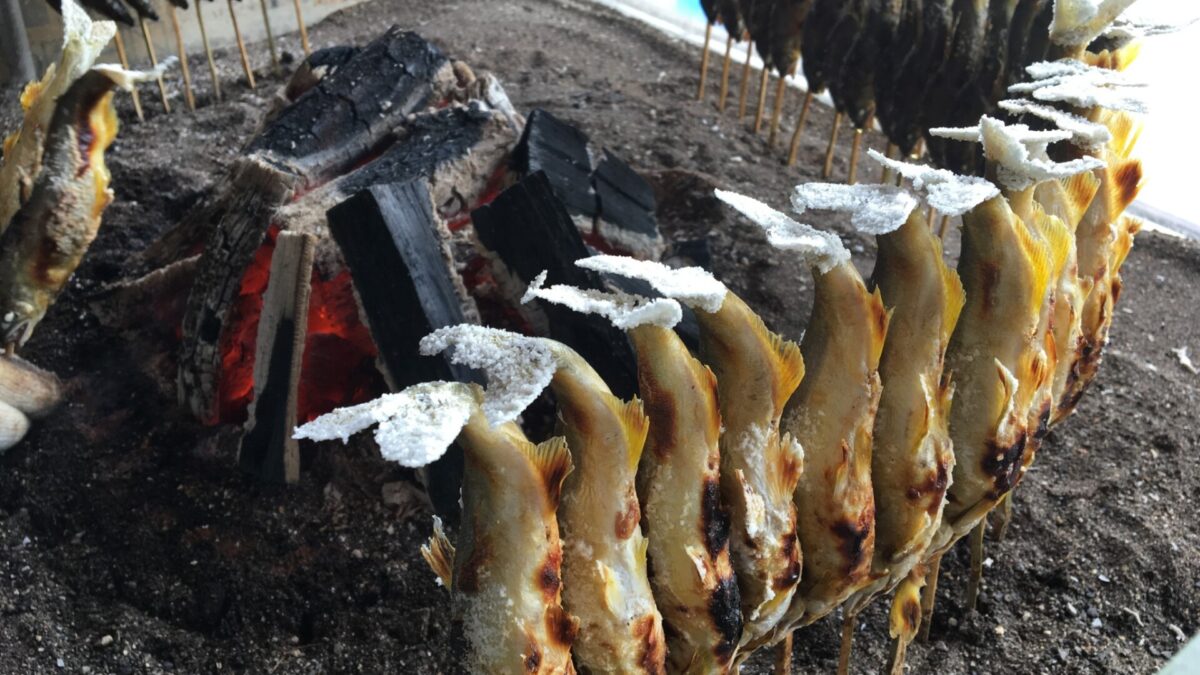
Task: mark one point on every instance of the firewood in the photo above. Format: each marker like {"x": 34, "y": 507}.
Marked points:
{"x": 268, "y": 450}
{"x": 626, "y": 209}
{"x": 560, "y": 151}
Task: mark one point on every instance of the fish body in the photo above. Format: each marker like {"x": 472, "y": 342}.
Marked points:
{"x": 816, "y": 43}
{"x": 854, "y": 92}
{"x": 786, "y": 32}
{"x": 52, "y": 230}
{"x": 605, "y": 581}
{"x": 757, "y": 372}
{"x": 893, "y": 68}
{"x": 687, "y": 527}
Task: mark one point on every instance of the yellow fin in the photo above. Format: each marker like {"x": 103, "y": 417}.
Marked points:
{"x": 905, "y": 616}
{"x": 787, "y": 465}
{"x": 633, "y": 419}
{"x": 1080, "y": 190}
{"x": 1059, "y": 239}
{"x": 611, "y": 591}
{"x": 1036, "y": 252}
{"x": 789, "y": 364}
{"x": 552, "y": 461}
{"x": 439, "y": 553}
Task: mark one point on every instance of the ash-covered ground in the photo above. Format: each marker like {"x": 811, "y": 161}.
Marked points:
{"x": 130, "y": 544}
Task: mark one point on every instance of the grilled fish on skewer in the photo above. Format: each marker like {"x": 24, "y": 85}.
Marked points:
{"x": 757, "y": 372}
{"x": 832, "y": 416}
{"x": 678, "y": 482}
{"x": 892, "y": 64}
{"x": 815, "y": 42}
{"x": 604, "y": 557}
{"x": 504, "y": 570}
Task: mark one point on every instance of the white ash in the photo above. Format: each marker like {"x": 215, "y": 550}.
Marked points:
{"x": 518, "y": 367}
{"x": 1085, "y": 133}
{"x": 1078, "y": 22}
{"x": 875, "y": 209}
{"x": 1081, "y": 85}
{"x": 823, "y": 250}
{"x": 624, "y": 310}
{"x": 416, "y": 425}
{"x": 693, "y": 286}
{"x": 950, "y": 193}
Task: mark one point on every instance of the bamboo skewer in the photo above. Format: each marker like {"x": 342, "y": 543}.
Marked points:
{"x": 212, "y": 64}
{"x": 303, "y": 28}
{"x": 931, "y": 217}
{"x": 794, "y": 150}
{"x": 847, "y": 644}
{"x": 855, "y": 148}
{"x": 942, "y": 235}
{"x": 724, "y": 74}
{"x": 162, "y": 86}
{"x": 137, "y": 99}
{"x": 837, "y": 125}
{"x": 783, "y": 657}
{"x": 704, "y": 61}
{"x": 929, "y": 597}
{"x": 762, "y": 99}
{"x": 237, "y": 32}
{"x": 780, "y": 93}
{"x": 270, "y": 36}
{"x": 745, "y": 86}
{"x": 189, "y": 96}
{"x": 1003, "y": 514}
{"x": 896, "y": 657}
{"x": 888, "y": 152}
{"x": 976, "y": 577}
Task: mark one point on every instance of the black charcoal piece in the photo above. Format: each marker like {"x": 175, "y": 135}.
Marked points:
{"x": 392, "y": 244}
{"x": 560, "y": 150}
{"x": 529, "y": 229}
{"x": 627, "y": 208}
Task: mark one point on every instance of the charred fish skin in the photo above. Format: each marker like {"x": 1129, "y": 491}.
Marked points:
{"x": 832, "y": 416}
{"x": 50, "y": 233}
{"x": 912, "y": 456}
{"x": 757, "y": 372}
{"x": 816, "y": 42}
{"x": 605, "y": 582}
{"x": 506, "y": 579}
{"x": 890, "y": 95}
{"x": 854, "y": 92}
{"x": 687, "y": 527}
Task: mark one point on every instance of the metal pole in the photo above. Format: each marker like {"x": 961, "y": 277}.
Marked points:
{"x": 14, "y": 42}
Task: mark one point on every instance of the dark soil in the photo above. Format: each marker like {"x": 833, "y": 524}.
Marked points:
{"x": 129, "y": 543}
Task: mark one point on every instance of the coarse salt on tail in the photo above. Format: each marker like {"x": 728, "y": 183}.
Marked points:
{"x": 874, "y": 209}
{"x": 1083, "y": 86}
{"x": 1018, "y": 154}
{"x": 604, "y": 577}
{"x": 1085, "y": 133}
{"x": 503, "y": 573}
{"x": 912, "y": 456}
{"x": 832, "y": 415}
{"x": 83, "y": 41}
{"x": 760, "y": 466}
{"x": 678, "y": 483}
{"x": 1077, "y": 22}
{"x": 950, "y": 193}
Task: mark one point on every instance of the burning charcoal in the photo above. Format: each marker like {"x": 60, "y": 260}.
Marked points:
{"x": 394, "y": 247}
{"x": 627, "y": 207}
{"x": 319, "y": 65}
{"x": 529, "y": 230}
{"x": 561, "y": 152}
{"x": 268, "y": 450}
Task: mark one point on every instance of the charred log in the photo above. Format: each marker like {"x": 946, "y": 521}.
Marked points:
{"x": 560, "y": 151}
{"x": 626, "y": 209}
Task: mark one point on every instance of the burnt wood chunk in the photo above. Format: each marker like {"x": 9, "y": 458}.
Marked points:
{"x": 352, "y": 112}
{"x": 268, "y": 450}
{"x": 392, "y": 243}
{"x": 560, "y": 151}
{"x": 627, "y": 208}
{"x": 529, "y": 229}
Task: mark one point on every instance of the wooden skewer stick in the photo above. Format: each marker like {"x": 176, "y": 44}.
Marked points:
{"x": 162, "y": 86}
{"x": 704, "y": 61}
{"x": 1005, "y": 512}
{"x": 888, "y": 152}
{"x": 745, "y": 87}
{"x": 847, "y": 644}
{"x": 976, "y": 577}
{"x": 237, "y": 32}
{"x": 783, "y": 657}
{"x": 794, "y": 150}
{"x": 724, "y": 74}
{"x": 780, "y": 94}
{"x": 212, "y": 64}
{"x": 762, "y": 99}
{"x": 929, "y": 597}
{"x": 919, "y": 149}
{"x": 855, "y": 148}
{"x": 942, "y": 235}
{"x": 303, "y": 28}
{"x": 189, "y": 96}
{"x": 837, "y": 125}
{"x": 270, "y": 36}
{"x": 137, "y": 99}
{"x": 896, "y": 657}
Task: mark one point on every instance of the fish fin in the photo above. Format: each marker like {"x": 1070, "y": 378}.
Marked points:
{"x": 610, "y": 593}
{"x": 954, "y": 297}
{"x": 905, "y": 616}
{"x": 1059, "y": 239}
{"x": 552, "y": 460}
{"x": 1125, "y": 130}
{"x": 1080, "y": 190}
{"x": 1126, "y": 181}
{"x": 1036, "y": 252}
{"x": 636, "y": 424}
{"x": 787, "y": 465}
{"x": 1127, "y": 228}
{"x": 789, "y": 364}
{"x": 439, "y": 553}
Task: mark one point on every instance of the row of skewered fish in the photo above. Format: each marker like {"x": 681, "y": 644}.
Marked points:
{"x": 911, "y": 65}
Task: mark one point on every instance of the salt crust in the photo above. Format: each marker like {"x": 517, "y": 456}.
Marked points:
{"x": 518, "y": 367}
{"x": 1019, "y": 153}
{"x": 624, "y": 310}
{"x": 1085, "y": 133}
{"x": 128, "y": 79}
{"x": 875, "y": 209}
{"x": 823, "y": 250}
{"x": 415, "y": 425}
{"x": 693, "y": 286}
{"x": 950, "y": 193}
{"x": 1078, "y": 22}
{"x": 1083, "y": 86}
